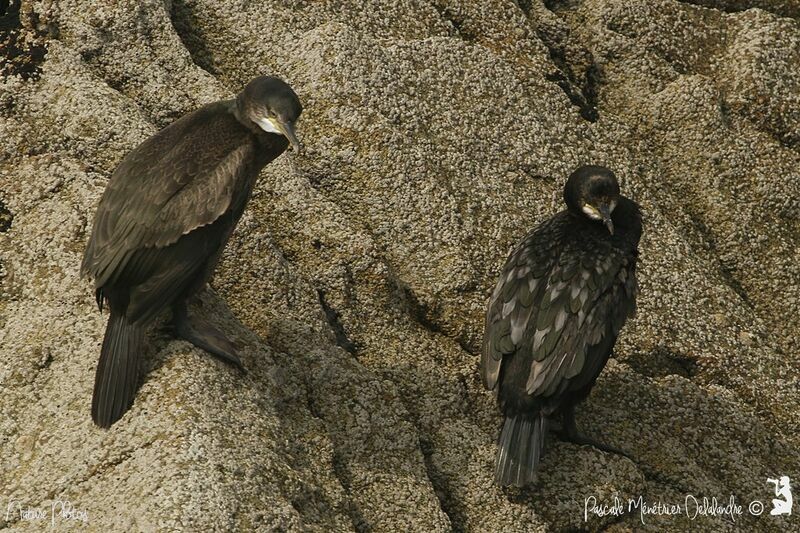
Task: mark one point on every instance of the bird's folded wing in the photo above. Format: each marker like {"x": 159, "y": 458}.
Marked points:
{"x": 170, "y": 185}
{"x": 575, "y": 314}
{"x": 550, "y": 306}
{"x": 511, "y": 304}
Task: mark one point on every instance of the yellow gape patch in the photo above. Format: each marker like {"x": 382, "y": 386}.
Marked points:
{"x": 592, "y": 212}
{"x": 268, "y": 125}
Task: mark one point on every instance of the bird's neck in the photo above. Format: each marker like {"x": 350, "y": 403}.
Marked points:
{"x": 271, "y": 142}
{"x": 270, "y": 146}
{"x": 235, "y": 108}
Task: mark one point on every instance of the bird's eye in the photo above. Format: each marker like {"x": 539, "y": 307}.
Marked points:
{"x": 271, "y": 113}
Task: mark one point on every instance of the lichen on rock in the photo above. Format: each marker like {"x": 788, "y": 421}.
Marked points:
{"x": 437, "y": 134}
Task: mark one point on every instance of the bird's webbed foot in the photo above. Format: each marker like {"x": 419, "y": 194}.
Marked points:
{"x": 570, "y": 433}
{"x": 204, "y": 336}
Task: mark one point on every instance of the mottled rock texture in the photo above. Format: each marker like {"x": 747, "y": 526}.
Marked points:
{"x": 438, "y": 133}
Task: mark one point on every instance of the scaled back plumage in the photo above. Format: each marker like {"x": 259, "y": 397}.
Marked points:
{"x": 562, "y": 297}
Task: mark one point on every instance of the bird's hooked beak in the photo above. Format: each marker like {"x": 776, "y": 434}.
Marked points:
{"x": 287, "y": 128}
{"x": 275, "y": 125}
{"x": 605, "y": 213}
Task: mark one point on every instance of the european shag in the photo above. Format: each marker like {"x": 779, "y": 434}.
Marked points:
{"x": 564, "y": 294}
{"x": 165, "y": 216}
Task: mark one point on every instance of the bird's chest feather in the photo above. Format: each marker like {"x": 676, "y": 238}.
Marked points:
{"x": 268, "y": 146}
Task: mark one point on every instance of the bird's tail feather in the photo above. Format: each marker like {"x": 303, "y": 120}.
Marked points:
{"x": 520, "y": 449}
{"x": 117, "y": 371}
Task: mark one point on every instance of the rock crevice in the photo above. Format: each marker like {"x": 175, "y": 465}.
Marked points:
{"x": 357, "y": 279}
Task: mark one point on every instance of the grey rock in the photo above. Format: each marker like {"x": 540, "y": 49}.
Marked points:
{"x": 437, "y": 134}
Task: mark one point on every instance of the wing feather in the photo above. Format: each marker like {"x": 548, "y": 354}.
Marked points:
{"x": 514, "y": 302}
{"x": 556, "y": 298}
{"x": 579, "y": 322}
{"x": 173, "y": 183}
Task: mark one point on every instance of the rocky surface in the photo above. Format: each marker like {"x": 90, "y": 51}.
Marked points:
{"x": 438, "y": 133}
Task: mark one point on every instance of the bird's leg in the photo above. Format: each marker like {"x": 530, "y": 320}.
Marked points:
{"x": 570, "y": 433}
{"x": 203, "y": 335}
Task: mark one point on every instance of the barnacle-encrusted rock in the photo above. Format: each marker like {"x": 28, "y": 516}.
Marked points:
{"x": 437, "y": 134}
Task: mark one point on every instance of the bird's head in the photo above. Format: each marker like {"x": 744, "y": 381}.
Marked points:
{"x": 272, "y": 106}
{"x": 593, "y": 192}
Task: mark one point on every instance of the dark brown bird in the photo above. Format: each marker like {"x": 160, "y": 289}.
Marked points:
{"x": 163, "y": 220}
{"x": 563, "y": 296}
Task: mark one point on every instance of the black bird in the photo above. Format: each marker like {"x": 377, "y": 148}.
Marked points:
{"x": 165, "y": 216}
{"x": 562, "y": 298}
